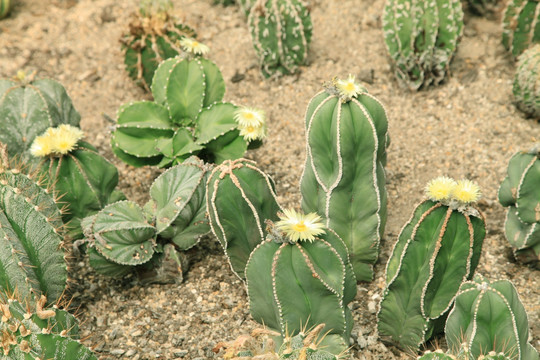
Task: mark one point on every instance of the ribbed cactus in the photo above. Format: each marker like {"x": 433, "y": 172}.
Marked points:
{"x": 520, "y": 192}
{"x": 281, "y": 33}
{"x": 489, "y": 317}
{"x": 526, "y": 82}
{"x": 31, "y": 237}
{"x": 437, "y": 250}
{"x": 421, "y": 37}
{"x": 240, "y": 197}
{"x": 301, "y": 277}
{"x": 5, "y": 7}
{"x": 482, "y": 7}
{"x": 28, "y": 107}
{"x": 343, "y": 178}
{"x": 520, "y": 21}
{"x": 439, "y": 355}
{"x": 154, "y": 36}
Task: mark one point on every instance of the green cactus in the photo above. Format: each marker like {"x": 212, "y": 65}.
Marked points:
{"x": 240, "y": 197}
{"x": 482, "y": 7}
{"x": 299, "y": 275}
{"x": 5, "y": 7}
{"x": 489, "y": 317}
{"x": 463, "y": 354}
{"x": 225, "y": 2}
{"x": 519, "y": 192}
{"x": 246, "y": 5}
{"x": 154, "y": 36}
{"x": 437, "y": 250}
{"x": 343, "y": 178}
{"x": 28, "y": 107}
{"x": 281, "y": 33}
{"x": 422, "y": 37}
{"x": 436, "y": 355}
{"x": 526, "y": 84}
{"x": 519, "y": 22}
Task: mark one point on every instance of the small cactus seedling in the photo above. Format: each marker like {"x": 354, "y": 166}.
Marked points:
{"x": 343, "y": 178}
{"x": 5, "y": 7}
{"x": 240, "y": 197}
{"x": 526, "y": 82}
{"x": 281, "y": 33}
{"x": 519, "y": 192}
{"x": 154, "y": 36}
{"x": 437, "y": 250}
{"x": 489, "y": 317}
{"x": 483, "y": 7}
{"x": 422, "y": 37}
{"x": 520, "y": 22}
{"x": 301, "y": 275}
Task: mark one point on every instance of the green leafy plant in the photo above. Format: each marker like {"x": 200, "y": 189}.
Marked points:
{"x": 520, "y": 16}
{"x": 526, "y": 83}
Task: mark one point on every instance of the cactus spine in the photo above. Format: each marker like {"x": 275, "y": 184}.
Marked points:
{"x": 526, "y": 84}
{"x": 437, "y": 250}
{"x": 281, "y": 33}
{"x": 489, "y": 317}
{"x": 421, "y": 37}
{"x": 520, "y": 22}
{"x": 343, "y": 178}
{"x": 240, "y": 197}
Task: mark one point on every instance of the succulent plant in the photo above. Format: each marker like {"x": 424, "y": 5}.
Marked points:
{"x": 482, "y": 7}
{"x": 281, "y": 33}
{"x": 489, "y": 317}
{"x": 462, "y": 355}
{"x": 300, "y": 275}
{"x": 519, "y": 192}
{"x": 343, "y": 178}
{"x": 519, "y": 24}
{"x": 240, "y": 197}
{"x": 224, "y": 2}
{"x": 437, "y": 250}
{"x": 526, "y": 84}
{"x": 5, "y": 7}
{"x": 28, "y": 107}
{"x": 246, "y": 5}
{"x": 421, "y": 37}
{"x": 154, "y": 36}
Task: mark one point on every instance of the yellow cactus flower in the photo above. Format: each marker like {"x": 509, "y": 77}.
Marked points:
{"x": 60, "y": 140}
{"x": 466, "y": 192}
{"x": 41, "y": 146}
{"x": 251, "y": 133}
{"x": 249, "y": 117}
{"x": 298, "y": 226}
{"x": 348, "y": 88}
{"x": 440, "y": 188}
{"x": 193, "y": 46}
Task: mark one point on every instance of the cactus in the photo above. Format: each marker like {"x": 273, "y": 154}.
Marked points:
{"x": 73, "y": 168}
{"x": 301, "y": 275}
{"x": 421, "y": 37}
{"x": 462, "y": 355}
{"x": 526, "y": 84}
{"x": 153, "y": 37}
{"x": 5, "y": 7}
{"x": 246, "y": 5}
{"x": 520, "y": 193}
{"x": 482, "y": 7}
{"x": 489, "y": 317}
{"x": 436, "y": 355}
{"x": 281, "y": 33}
{"x": 519, "y": 25}
{"x": 31, "y": 231}
{"x": 343, "y": 178}
{"x": 28, "y": 107}
{"x": 240, "y": 197}
{"x": 224, "y": 2}
{"x": 437, "y": 250}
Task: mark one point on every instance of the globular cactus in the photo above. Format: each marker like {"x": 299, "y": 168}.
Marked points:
{"x": 154, "y": 36}
{"x": 31, "y": 237}
{"x": 437, "y": 250}
{"x": 281, "y": 33}
{"x": 489, "y": 317}
{"x": 520, "y": 192}
{"x": 343, "y": 178}
{"x": 436, "y": 355}
{"x": 462, "y": 355}
{"x": 422, "y": 37}
{"x": 5, "y": 7}
{"x": 519, "y": 22}
{"x": 482, "y": 7}
{"x": 526, "y": 82}
{"x": 74, "y": 169}
{"x": 28, "y": 107}
{"x": 240, "y": 197}
{"x": 300, "y": 275}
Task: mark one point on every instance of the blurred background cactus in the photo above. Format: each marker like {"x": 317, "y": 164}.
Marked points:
{"x": 527, "y": 82}
{"x": 520, "y": 21}
{"x": 484, "y": 7}
{"x": 422, "y": 37}
{"x": 5, "y": 7}
{"x": 246, "y": 5}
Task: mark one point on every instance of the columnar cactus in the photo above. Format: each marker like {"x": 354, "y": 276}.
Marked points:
{"x": 240, "y": 197}
{"x": 300, "y": 276}
{"x": 520, "y": 192}
{"x": 489, "y": 317}
{"x": 421, "y": 37}
{"x": 5, "y": 6}
{"x": 519, "y": 25}
{"x": 437, "y": 250}
{"x": 281, "y": 33}
{"x": 526, "y": 82}
{"x": 343, "y": 178}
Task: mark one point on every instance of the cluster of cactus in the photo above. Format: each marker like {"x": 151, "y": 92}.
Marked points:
{"x": 482, "y": 7}
{"x": 5, "y": 7}
{"x": 422, "y": 37}
{"x": 526, "y": 82}
{"x": 520, "y": 21}
{"x": 520, "y": 192}
{"x": 463, "y": 355}
{"x": 154, "y": 36}
{"x": 343, "y": 178}
{"x": 281, "y": 33}
{"x": 123, "y": 235}
{"x": 437, "y": 250}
